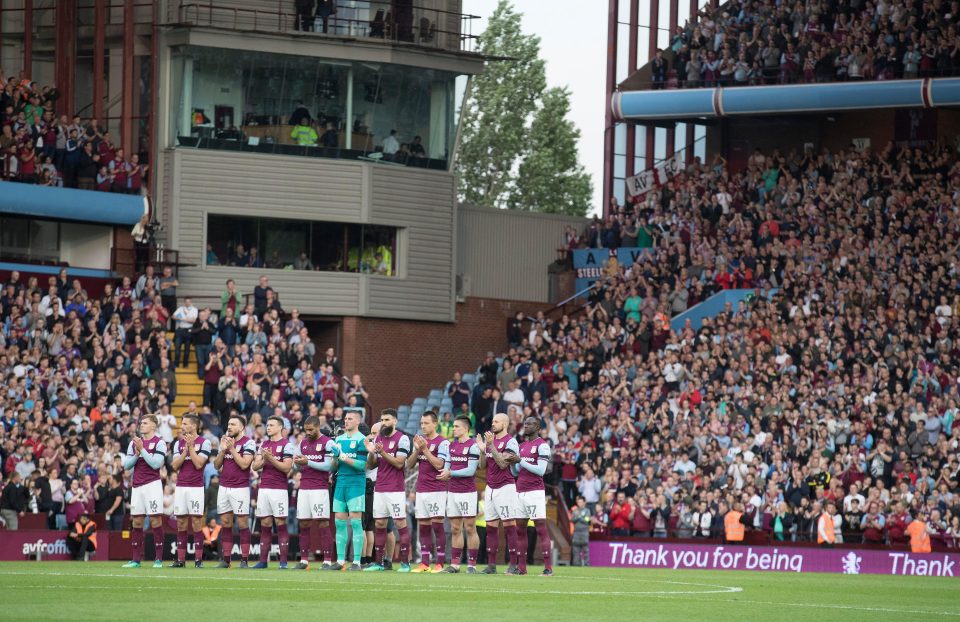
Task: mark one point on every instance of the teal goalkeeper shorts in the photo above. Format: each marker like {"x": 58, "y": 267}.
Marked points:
{"x": 349, "y": 496}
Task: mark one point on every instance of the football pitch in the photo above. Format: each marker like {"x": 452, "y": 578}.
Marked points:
{"x": 104, "y": 591}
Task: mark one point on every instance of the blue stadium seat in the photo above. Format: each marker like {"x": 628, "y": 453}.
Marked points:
{"x": 446, "y": 405}
{"x": 403, "y": 411}
{"x": 436, "y": 393}
{"x": 470, "y": 379}
{"x": 419, "y": 401}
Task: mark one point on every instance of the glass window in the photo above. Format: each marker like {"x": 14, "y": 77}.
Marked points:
{"x": 296, "y": 105}
{"x": 280, "y": 244}
{"x": 29, "y": 239}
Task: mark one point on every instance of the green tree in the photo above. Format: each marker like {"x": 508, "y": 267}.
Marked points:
{"x": 498, "y": 109}
{"x": 550, "y": 179}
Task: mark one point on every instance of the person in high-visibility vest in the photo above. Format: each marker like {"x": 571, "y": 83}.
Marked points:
{"x": 83, "y": 539}
{"x": 304, "y": 134}
{"x": 733, "y": 523}
{"x": 919, "y": 538}
{"x": 211, "y": 538}
{"x": 826, "y": 536}
{"x": 481, "y": 525}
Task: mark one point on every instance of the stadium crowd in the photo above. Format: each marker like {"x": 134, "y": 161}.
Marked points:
{"x": 758, "y": 42}
{"x": 38, "y": 147}
{"x": 80, "y": 370}
{"x": 841, "y": 387}
{"x": 835, "y": 382}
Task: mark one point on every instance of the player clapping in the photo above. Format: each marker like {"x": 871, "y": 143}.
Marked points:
{"x": 190, "y": 456}
{"x": 465, "y": 458}
{"x": 432, "y": 452}
{"x": 275, "y": 461}
{"x": 315, "y": 459}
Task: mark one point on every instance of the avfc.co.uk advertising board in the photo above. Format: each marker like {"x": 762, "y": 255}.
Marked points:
{"x": 773, "y": 559}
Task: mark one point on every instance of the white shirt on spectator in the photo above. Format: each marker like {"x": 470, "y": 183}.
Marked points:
{"x": 514, "y": 396}
{"x": 848, "y": 501}
{"x": 391, "y": 145}
{"x": 943, "y": 313}
{"x": 185, "y": 316}
{"x": 672, "y": 372}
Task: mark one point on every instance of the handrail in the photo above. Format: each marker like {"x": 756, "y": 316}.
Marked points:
{"x": 563, "y": 513}
{"x": 378, "y": 23}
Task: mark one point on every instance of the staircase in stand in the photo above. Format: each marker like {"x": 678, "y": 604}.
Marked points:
{"x": 189, "y": 387}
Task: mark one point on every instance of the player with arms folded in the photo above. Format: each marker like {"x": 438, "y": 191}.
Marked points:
{"x": 387, "y": 453}
{"x": 190, "y": 455}
{"x": 145, "y": 455}
{"x": 534, "y": 460}
{"x": 465, "y": 458}
{"x": 233, "y": 497}
{"x": 275, "y": 462}
{"x": 349, "y": 496}
{"x": 314, "y": 458}
{"x": 432, "y": 452}
{"x": 501, "y": 504}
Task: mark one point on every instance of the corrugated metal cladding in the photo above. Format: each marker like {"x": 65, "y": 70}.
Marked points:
{"x": 418, "y": 201}
{"x": 505, "y": 253}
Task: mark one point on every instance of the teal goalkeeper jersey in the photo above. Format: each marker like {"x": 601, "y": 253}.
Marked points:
{"x": 352, "y": 446}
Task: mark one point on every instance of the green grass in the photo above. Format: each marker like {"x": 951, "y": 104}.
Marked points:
{"x": 103, "y": 591}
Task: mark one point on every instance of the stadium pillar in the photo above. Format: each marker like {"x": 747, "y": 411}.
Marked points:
{"x": 127, "y": 99}
{"x": 674, "y": 18}
{"x": 690, "y": 136}
{"x": 608, "y": 131}
{"x": 651, "y": 52}
{"x": 152, "y": 121}
{"x": 65, "y": 55}
{"x": 99, "y": 51}
{"x": 632, "y": 65}
{"x": 28, "y": 38}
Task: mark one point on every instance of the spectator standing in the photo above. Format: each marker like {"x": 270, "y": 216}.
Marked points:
{"x": 580, "y": 543}
{"x": 184, "y": 317}
{"x": 13, "y": 502}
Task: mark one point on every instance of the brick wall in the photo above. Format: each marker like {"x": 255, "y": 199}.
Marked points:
{"x": 400, "y": 360}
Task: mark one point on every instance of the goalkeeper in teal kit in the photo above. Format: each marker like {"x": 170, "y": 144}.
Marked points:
{"x": 349, "y": 496}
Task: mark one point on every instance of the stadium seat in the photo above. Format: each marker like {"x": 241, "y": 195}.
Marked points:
{"x": 436, "y": 393}
{"x": 470, "y": 379}
{"x": 446, "y": 405}
{"x": 419, "y": 401}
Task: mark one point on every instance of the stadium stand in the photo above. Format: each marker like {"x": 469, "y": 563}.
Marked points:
{"x": 38, "y": 147}
{"x": 842, "y": 387}
{"x": 751, "y": 43}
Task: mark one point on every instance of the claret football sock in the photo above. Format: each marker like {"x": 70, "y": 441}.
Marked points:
{"x": 181, "y": 546}
{"x": 136, "y": 543}
{"x": 305, "y": 544}
{"x": 440, "y": 538}
{"x": 425, "y": 535}
{"x": 158, "y": 542}
{"x": 284, "y": 541}
{"x": 379, "y": 544}
{"x": 356, "y": 525}
{"x": 493, "y": 544}
{"x": 543, "y": 534}
{"x": 404, "y": 537}
{"x": 341, "y": 540}
{"x": 472, "y": 557}
{"x": 511, "y": 544}
{"x": 245, "y": 543}
{"x": 457, "y": 555}
{"x": 226, "y": 543}
{"x": 198, "y": 546}
{"x": 326, "y": 545}
{"x": 266, "y": 539}
{"x": 521, "y": 548}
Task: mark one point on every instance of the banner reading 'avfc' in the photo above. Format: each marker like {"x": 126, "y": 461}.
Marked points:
{"x": 768, "y": 558}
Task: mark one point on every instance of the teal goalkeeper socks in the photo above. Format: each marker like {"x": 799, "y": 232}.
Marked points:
{"x": 341, "y": 540}
{"x": 356, "y": 525}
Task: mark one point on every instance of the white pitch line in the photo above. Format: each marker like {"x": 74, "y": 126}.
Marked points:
{"x": 380, "y": 588}
{"x": 714, "y": 589}
{"x": 821, "y": 605}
